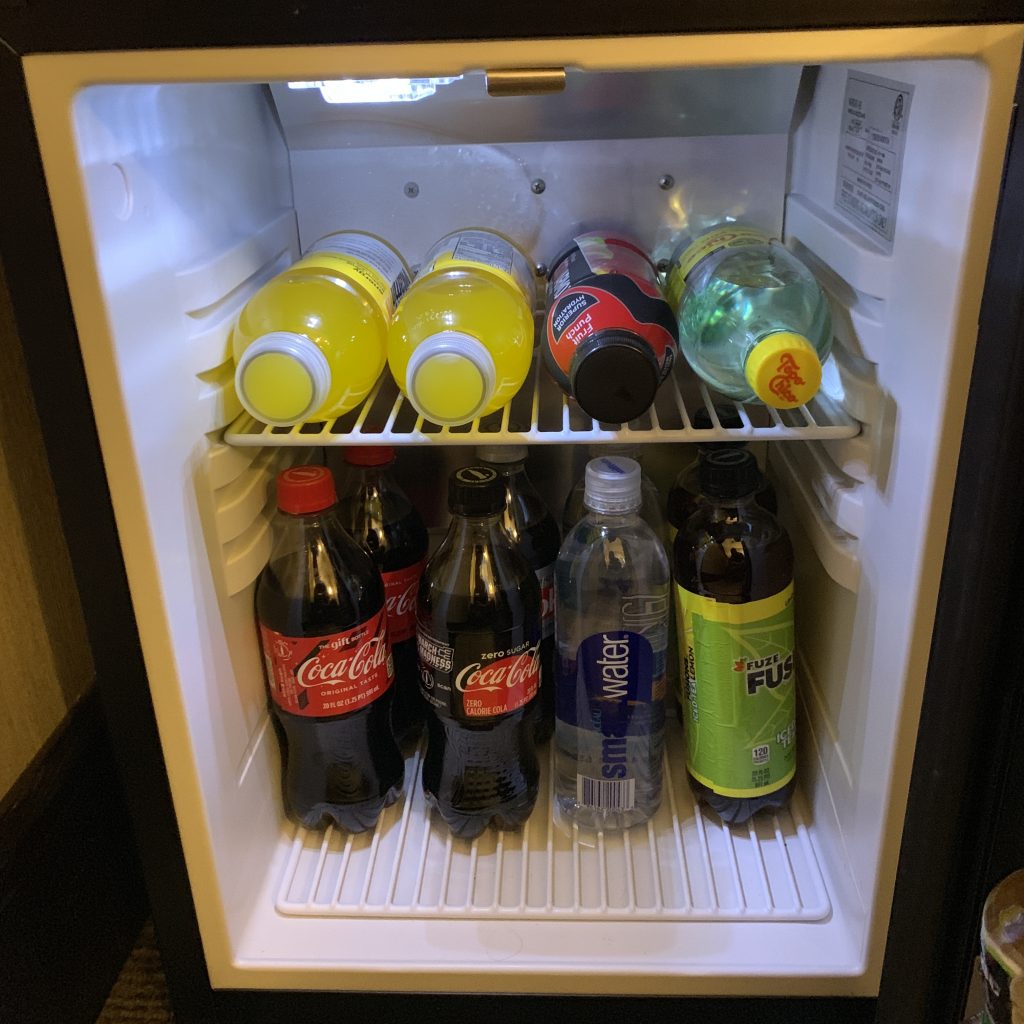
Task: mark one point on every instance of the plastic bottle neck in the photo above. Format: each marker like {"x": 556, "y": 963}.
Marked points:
{"x": 742, "y": 501}
{"x": 602, "y": 517}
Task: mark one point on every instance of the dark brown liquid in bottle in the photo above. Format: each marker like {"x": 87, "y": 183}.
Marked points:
{"x": 479, "y": 596}
{"x": 345, "y": 768}
{"x": 734, "y": 551}
{"x": 383, "y": 521}
{"x": 528, "y": 522}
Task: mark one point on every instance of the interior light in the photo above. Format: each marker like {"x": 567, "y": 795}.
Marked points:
{"x": 376, "y": 90}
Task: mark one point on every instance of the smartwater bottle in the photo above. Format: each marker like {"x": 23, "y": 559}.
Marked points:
{"x": 611, "y": 630}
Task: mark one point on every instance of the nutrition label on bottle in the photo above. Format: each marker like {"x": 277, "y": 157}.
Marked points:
{"x": 483, "y": 249}
{"x": 872, "y": 137}
{"x": 368, "y": 260}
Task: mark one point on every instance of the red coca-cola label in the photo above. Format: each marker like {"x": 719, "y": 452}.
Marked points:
{"x": 322, "y": 676}
{"x": 400, "y": 589}
{"x": 462, "y": 681}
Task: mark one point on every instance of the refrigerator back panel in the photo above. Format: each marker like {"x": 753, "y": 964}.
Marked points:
{"x": 180, "y": 184}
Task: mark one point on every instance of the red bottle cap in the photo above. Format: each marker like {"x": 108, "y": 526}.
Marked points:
{"x": 305, "y": 489}
{"x": 369, "y": 455}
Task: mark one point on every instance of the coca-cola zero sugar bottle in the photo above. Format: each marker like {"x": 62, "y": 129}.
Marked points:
{"x": 383, "y": 521}
{"x": 323, "y": 627}
{"x": 478, "y": 638}
{"x": 535, "y": 532}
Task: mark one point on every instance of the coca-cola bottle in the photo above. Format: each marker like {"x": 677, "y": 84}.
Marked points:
{"x": 529, "y": 523}
{"x": 478, "y": 636}
{"x": 322, "y": 622}
{"x": 383, "y": 521}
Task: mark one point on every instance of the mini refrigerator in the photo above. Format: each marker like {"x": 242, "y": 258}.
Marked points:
{"x": 163, "y": 164}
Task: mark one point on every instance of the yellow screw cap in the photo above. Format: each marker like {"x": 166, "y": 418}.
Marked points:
{"x": 784, "y": 370}
{"x": 451, "y": 378}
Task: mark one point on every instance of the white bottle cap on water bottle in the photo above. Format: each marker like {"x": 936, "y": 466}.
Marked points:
{"x": 612, "y": 485}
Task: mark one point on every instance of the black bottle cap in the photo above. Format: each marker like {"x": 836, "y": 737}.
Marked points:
{"x": 475, "y": 491}
{"x": 614, "y": 376}
{"x": 728, "y": 473}
{"x": 727, "y": 416}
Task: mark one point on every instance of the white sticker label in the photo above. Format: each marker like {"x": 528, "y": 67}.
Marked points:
{"x": 377, "y": 255}
{"x": 486, "y": 249}
{"x": 872, "y": 137}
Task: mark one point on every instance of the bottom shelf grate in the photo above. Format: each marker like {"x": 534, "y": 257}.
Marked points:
{"x": 682, "y": 865}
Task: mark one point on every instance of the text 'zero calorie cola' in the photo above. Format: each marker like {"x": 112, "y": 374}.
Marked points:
{"x": 753, "y": 321}
{"x": 461, "y": 342}
{"x": 478, "y": 637}
{"x": 611, "y": 627}
{"x": 323, "y": 627}
{"x": 311, "y": 343}
{"x": 382, "y": 520}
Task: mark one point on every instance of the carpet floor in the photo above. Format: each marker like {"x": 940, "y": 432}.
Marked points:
{"x": 139, "y": 995}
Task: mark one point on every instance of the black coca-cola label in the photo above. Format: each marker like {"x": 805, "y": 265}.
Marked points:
{"x": 472, "y": 676}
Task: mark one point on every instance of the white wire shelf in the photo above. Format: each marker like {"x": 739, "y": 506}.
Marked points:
{"x": 683, "y": 865}
{"x": 541, "y": 413}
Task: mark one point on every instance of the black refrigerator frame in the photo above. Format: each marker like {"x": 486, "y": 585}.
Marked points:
{"x": 964, "y": 826}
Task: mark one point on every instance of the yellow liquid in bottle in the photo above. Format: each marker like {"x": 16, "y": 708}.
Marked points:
{"x": 338, "y": 316}
{"x": 476, "y": 303}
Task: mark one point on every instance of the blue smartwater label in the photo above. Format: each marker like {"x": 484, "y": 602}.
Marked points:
{"x": 610, "y": 687}
{"x": 611, "y": 691}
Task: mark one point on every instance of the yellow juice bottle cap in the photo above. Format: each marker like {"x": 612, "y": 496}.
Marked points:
{"x": 784, "y": 370}
{"x": 450, "y": 378}
{"x": 282, "y": 378}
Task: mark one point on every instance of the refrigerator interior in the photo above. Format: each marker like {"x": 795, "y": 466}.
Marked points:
{"x": 181, "y": 182}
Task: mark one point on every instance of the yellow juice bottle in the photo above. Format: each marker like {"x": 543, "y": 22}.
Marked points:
{"x": 461, "y": 341}
{"x": 311, "y": 343}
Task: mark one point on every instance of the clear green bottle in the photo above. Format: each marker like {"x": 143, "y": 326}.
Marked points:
{"x": 753, "y": 321}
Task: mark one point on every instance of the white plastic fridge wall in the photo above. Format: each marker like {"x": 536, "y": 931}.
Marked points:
{"x": 174, "y": 201}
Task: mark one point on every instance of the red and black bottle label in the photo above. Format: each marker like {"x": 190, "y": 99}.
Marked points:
{"x": 472, "y": 676}
{"x": 324, "y": 676}
{"x": 606, "y": 284}
{"x": 400, "y": 590}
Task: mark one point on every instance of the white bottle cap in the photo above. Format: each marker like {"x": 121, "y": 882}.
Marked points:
{"x": 501, "y": 453}
{"x": 450, "y": 378}
{"x": 613, "y": 485}
{"x": 282, "y": 378}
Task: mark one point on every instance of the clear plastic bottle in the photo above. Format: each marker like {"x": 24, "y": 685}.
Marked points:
{"x": 529, "y": 523}
{"x": 311, "y": 343}
{"x": 734, "y": 615}
{"x": 461, "y": 342}
{"x": 610, "y": 336}
{"x": 322, "y": 622}
{"x": 387, "y": 526}
{"x": 650, "y": 504}
{"x": 684, "y": 494}
{"x": 1002, "y": 951}
{"x": 753, "y": 321}
{"x": 611, "y": 629}
{"x": 478, "y": 632}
